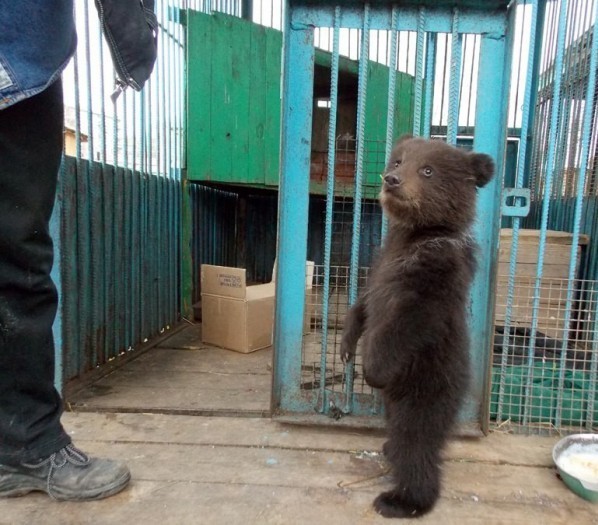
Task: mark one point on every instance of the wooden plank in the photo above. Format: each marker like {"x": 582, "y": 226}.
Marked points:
{"x": 212, "y": 398}
{"x": 529, "y": 270}
{"x": 241, "y": 97}
{"x": 527, "y": 253}
{"x": 497, "y": 448}
{"x": 200, "y": 62}
{"x": 221, "y": 103}
{"x": 205, "y": 360}
{"x": 276, "y": 479}
{"x": 256, "y": 74}
{"x": 272, "y": 129}
{"x": 171, "y": 501}
{"x": 552, "y": 236}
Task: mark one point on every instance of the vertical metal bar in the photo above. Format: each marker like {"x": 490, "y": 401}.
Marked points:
{"x": 96, "y": 186}
{"x": 298, "y": 76}
{"x": 356, "y": 234}
{"x": 329, "y": 203}
{"x": 430, "y": 81}
{"x": 392, "y": 80}
{"x": 581, "y": 180}
{"x": 120, "y": 312}
{"x": 519, "y": 177}
{"x": 455, "y": 80}
{"x": 90, "y": 133}
{"x": 132, "y": 222}
{"x": 490, "y": 126}
{"x": 102, "y": 102}
{"x": 176, "y": 241}
{"x": 419, "y": 73}
{"x": 163, "y": 84}
{"x": 593, "y": 376}
{"x": 533, "y": 90}
{"x": 69, "y": 268}
{"x": 109, "y": 327}
{"x": 390, "y": 119}
{"x": 550, "y": 167}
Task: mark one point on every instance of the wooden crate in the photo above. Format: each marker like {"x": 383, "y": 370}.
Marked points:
{"x": 553, "y": 287}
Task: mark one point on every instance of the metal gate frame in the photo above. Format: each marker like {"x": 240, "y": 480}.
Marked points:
{"x": 490, "y": 131}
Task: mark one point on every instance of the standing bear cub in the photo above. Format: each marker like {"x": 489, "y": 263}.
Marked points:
{"x": 413, "y": 314}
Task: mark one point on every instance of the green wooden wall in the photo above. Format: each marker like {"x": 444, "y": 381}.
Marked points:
{"x": 233, "y": 127}
{"x": 234, "y": 82}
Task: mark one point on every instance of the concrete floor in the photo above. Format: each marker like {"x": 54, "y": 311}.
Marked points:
{"x": 180, "y": 420}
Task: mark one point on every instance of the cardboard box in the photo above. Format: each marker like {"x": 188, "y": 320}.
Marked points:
{"x": 241, "y": 317}
{"x": 234, "y": 315}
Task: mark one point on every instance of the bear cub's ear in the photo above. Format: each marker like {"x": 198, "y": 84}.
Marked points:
{"x": 483, "y": 167}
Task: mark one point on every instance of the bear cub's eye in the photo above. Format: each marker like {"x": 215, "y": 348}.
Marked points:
{"x": 427, "y": 171}
{"x": 398, "y": 163}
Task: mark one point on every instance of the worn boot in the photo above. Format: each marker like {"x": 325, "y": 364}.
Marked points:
{"x": 68, "y": 474}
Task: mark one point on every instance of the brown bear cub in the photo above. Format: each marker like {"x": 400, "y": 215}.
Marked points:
{"x": 413, "y": 314}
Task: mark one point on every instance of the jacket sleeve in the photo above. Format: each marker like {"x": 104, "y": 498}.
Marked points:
{"x": 130, "y": 28}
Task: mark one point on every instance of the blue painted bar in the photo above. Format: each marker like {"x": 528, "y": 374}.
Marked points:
{"x": 390, "y": 115}
{"x": 177, "y": 231}
{"x": 419, "y": 74}
{"x": 440, "y": 20}
{"x": 549, "y": 177}
{"x": 97, "y": 252}
{"x": 142, "y": 282}
{"x": 358, "y": 191}
{"x": 109, "y": 200}
{"x": 298, "y": 74}
{"x": 66, "y": 257}
{"x": 126, "y": 269}
{"x": 593, "y": 379}
{"x": 103, "y": 147}
{"x": 151, "y": 259}
{"x": 429, "y": 87}
{"x": 586, "y": 136}
{"x": 490, "y": 133}
{"x": 135, "y": 226}
{"x": 329, "y": 204}
{"x": 519, "y": 178}
{"x": 90, "y": 133}
{"x": 121, "y": 191}
{"x": 455, "y": 80}
{"x": 85, "y": 360}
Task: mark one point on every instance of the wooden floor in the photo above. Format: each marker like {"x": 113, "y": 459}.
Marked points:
{"x": 184, "y": 376}
{"x": 210, "y": 469}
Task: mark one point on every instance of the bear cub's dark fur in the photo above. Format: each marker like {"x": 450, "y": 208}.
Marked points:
{"x": 412, "y": 315}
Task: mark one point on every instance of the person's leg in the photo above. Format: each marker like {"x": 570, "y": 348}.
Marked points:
{"x": 35, "y": 451}
{"x": 30, "y": 150}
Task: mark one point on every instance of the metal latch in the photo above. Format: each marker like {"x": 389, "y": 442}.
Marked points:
{"x": 515, "y": 202}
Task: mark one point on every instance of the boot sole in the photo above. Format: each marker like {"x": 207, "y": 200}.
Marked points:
{"x": 24, "y": 485}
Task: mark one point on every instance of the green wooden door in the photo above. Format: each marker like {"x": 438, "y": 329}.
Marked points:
{"x": 233, "y": 91}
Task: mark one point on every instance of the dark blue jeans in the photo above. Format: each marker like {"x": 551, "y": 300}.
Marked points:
{"x": 30, "y": 152}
